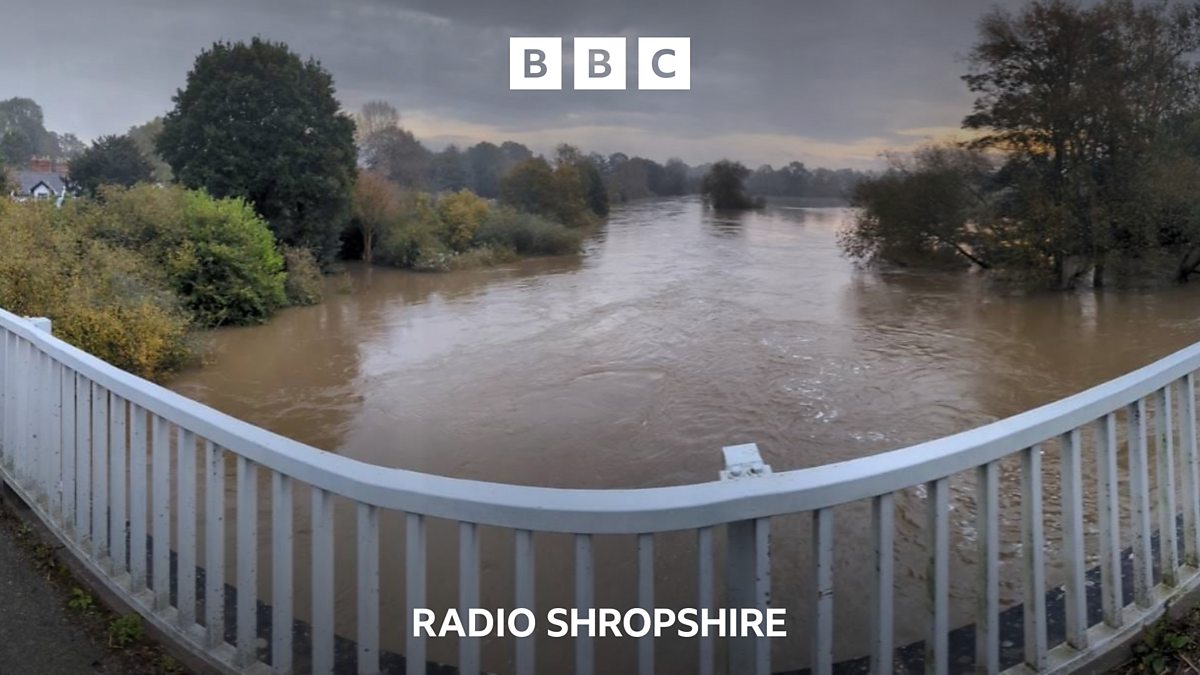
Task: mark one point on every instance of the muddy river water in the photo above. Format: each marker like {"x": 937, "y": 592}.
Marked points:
{"x": 674, "y": 333}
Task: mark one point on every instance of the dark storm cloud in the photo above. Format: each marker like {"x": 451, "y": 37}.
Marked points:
{"x": 826, "y": 81}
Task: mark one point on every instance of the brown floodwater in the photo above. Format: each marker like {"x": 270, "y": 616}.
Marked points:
{"x": 674, "y": 333}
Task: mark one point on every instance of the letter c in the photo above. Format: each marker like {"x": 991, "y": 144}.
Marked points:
{"x": 654, "y": 63}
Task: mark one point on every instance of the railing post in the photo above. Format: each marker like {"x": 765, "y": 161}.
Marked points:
{"x": 748, "y": 570}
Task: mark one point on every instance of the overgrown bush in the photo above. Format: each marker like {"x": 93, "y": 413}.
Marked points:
{"x": 526, "y": 233}
{"x": 460, "y": 215}
{"x": 101, "y": 298}
{"x": 412, "y": 235}
{"x": 219, "y": 256}
{"x": 462, "y": 230}
{"x": 303, "y": 283}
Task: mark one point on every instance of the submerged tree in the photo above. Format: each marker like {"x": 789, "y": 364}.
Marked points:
{"x": 724, "y": 186}
{"x": 376, "y": 206}
{"x": 1077, "y": 97}
{"x": 925, "y": 208}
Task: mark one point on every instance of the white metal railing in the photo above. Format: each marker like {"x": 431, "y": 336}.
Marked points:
{"x": 91, "y": 447}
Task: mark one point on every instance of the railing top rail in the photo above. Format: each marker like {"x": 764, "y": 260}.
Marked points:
{"x": 615, "y": 511}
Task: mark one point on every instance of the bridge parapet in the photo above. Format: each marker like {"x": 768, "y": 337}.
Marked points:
{"x": 91, "y": 449}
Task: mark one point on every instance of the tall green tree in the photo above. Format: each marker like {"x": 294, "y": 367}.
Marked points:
{"x": 449, "y": 170}
{"x": 256, "y": 121}
{"x": 595, "y": 193}
{"x": 556, "y": 193}
{"x": 397, "y": 154}
{"x": 146, "y": 137}
{"x": 485, "y": 167}
{"x": 22, "y": 130}
{"x": 112, "y": 160}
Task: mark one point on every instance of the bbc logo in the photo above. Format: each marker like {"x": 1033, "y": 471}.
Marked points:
{"x": 535, "y": 63}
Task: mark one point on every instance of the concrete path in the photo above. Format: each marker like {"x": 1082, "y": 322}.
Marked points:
{"x": 38, "y": 635}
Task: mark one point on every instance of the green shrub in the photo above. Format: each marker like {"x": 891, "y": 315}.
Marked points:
{"x": 462, "y": 230}
{"x": 304, "y": 279}
{"x": 219, "y": 256}
{"x": 413, "y": 235}
{"x": 460, "y": 215}
{"x": 125, "y": 630}
{"x": 103, "y": 299}
{"x": 525, "y": 233}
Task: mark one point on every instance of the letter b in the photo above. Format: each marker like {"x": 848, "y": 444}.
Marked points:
{"x": 535, "y": 58}
{"x": 534, "y": 63}
{"x": 599, "y": 63}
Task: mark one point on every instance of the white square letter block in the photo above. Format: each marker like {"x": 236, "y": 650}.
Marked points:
{"x": 535, "y": 63}
{"x": 599, "y": 63}
{"x": 664, "y": 63}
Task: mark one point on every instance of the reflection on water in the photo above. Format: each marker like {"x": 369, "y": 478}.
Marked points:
{"x": 675, "y": 333}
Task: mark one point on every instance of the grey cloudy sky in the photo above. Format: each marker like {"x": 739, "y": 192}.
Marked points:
{"x": 827, "y": 82}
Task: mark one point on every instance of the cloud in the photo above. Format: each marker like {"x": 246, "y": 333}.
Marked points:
{"x": 827, "y": 79}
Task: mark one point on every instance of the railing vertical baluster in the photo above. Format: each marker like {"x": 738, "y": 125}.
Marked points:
{"x": 12, "y": 435}
{"x": 160, "y": 477}
{"x": 468, "y": 593}
{"x": 1139, "y": 497}
{"x": 937, "y": 645}
{"x": 11, "y": 396}
{"x": 1191, "y": 471}
{"x": 5, "y": 394}
{"x": 368, "y": 590}
{"x": 523, "y": 596}
{"x": 40, "y": 487}
{"x": 705, "y": 594}
{"x": 1165, "y": 454}
{"x": 585, "y": 599}
{"x": 185, "y": 528}
{"x": 1032, "y": 544}
{"x": 67, "y": 434}
{"x": 99, "y": 471}
{"x": 822, "y": 592}
{"x": 762, "y": 590}
{"x": 25, "y": 453}
{"x": 214, "y": 542}
{"x": 1109, "y": 505}
{"x": 118, "y": 450}
{"x": 1072, "y": 535}
{"x": 52, "y": 460}
{"x": 83, "y": 459}
{"x": 138, "y": 496}
{"x": 987, "y": 524}
{"x": 414, "y": 582}
{"x": 10, "y": 401}
{"x": 282, "y": 539}
{"x": 247, "y": 561}
{"x": 322, "y": 581}
{"x": 645, "y": 600}
{"x": 29, "y": 420}
{"x": 748, "y": 585}
{"x": 54, "y": 437}
{"x": 24, "y": 447}
{"x": 883, "y": 538}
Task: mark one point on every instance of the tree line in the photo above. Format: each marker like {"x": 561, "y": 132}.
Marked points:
{"x": 1085, "y": 165}
{"x": 227, "y": 207}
